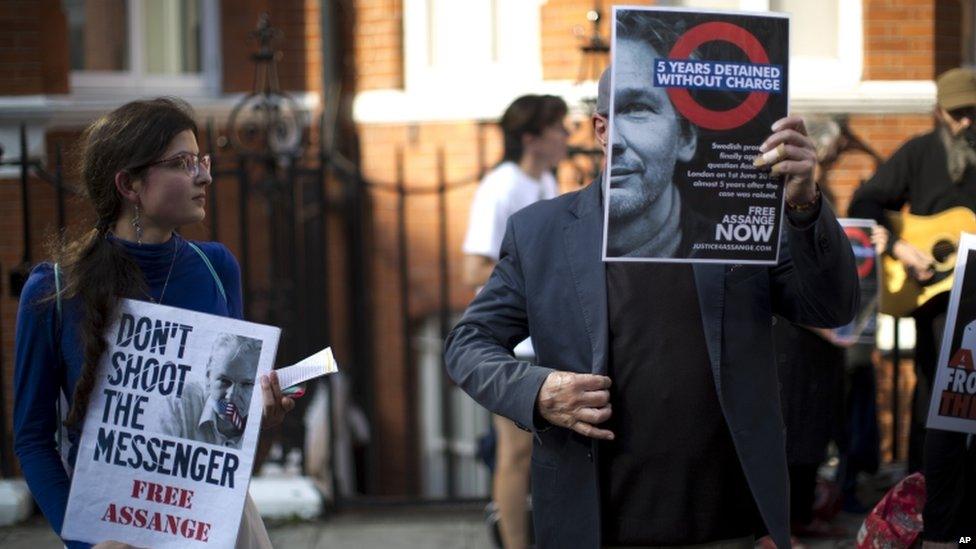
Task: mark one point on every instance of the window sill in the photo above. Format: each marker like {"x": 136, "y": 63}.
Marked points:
{"x": 78, "y": 109}
{"x": 41, "y": 112}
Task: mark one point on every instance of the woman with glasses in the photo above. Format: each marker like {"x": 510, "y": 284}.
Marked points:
{"x": 145, "y": 177}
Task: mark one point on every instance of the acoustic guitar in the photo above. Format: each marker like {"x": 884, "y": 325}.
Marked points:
{"x": 938, "y": 235}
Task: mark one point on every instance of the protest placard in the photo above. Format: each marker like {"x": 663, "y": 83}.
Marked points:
{"x": 953, "y": 404}
{"x": 168, "y": 441}
{"x": 693, "y": 96}
{"x": 864, "y": 327}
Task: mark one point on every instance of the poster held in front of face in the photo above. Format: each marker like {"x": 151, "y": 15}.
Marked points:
{"x": 168, "y": 441}
{"x": 953, "y": 404}
{"x": 693, "y": 96}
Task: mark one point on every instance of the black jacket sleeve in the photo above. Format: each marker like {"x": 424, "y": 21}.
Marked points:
{"x": 888, "y": 189}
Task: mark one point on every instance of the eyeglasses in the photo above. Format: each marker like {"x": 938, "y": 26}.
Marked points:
{"x": 188, "y": 162}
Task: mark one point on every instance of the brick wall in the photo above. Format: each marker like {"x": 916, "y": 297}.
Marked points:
{"x": 300, "y": 61}
{"x": 564, "y": 25}
{"x": 35, "y": 62}
{"x": 223, "y": 204}
{"x": 378, "y": 43}
{"x": 885, "y": 133}
{"x": 42, "y": 214}
{"x": 33, "y": 47}
{"x": 466, "y": 147}
{"x": 910, "y": 39}
{"x": 564, "y": 29}
{"x": 904, "y": 40}
{"x": 394, "y": 385}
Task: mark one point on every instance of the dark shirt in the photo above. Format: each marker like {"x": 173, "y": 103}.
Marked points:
{"x": 915, "y": 174}
{"x": 672, "y": 475}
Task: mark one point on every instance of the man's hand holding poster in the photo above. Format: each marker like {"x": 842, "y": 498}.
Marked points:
{"x": 693, "y": 96}
{"x": 168, "y": 442}
{"x": 953, "y": 405}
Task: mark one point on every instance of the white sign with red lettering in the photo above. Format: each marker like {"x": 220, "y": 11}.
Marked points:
{"x": 953, "y": 404}
{"x": 168, "y": 441}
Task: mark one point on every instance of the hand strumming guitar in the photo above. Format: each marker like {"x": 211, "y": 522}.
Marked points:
{"x": 919, "y": 264}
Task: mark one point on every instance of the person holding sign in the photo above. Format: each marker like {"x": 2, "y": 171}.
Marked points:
{"x": 949, "y": 514}
{"x": 144, "y": 178}
{"x": 931, "y": 173}
{"x": 653, "y": 403}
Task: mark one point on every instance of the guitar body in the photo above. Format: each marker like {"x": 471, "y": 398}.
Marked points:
{"x": 937, "y": 235}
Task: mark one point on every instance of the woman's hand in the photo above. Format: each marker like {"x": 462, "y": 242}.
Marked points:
{"x": 275, "y": 404}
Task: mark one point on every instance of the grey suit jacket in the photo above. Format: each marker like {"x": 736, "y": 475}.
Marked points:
{"x": 550, "y": 282}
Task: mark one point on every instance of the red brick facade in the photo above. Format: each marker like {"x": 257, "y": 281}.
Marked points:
{"x": 910, "y": 40}
{"x": 35, "y": 63}
{"x": 378, "y": 44}
{"x": 904, "y": 40}
{"x": 33, "y": 52}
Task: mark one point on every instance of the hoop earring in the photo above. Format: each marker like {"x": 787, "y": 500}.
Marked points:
{"x": 137, "y": 225}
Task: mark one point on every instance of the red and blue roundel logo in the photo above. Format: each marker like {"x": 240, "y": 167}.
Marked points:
{"x": 703, "y": 116}
{"x": 863, "y": 250}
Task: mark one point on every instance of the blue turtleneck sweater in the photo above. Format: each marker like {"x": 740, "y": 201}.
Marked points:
{"x": 39, "y": 376}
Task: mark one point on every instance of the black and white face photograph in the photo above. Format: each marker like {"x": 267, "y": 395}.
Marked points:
{"x": 964, "y": 331}
{"x": 685, "y": 125}
{"x": 214, "y": 409}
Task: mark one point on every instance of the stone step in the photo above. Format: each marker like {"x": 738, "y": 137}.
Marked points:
{"x": 286, "y": 497}
{"x": 16, "y": 503}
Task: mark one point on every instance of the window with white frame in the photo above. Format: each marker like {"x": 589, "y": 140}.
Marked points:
{"x": 463, "y": 60}
{"x": 451, "y": 45}
{"x": 124, "y": 47}
{"x": 827, "y": 58}
{"x": 825, "y": 38}
{"x": 813, "y": 32}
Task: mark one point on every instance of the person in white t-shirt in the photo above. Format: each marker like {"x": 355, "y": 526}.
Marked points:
{"x": 535, "y": 136}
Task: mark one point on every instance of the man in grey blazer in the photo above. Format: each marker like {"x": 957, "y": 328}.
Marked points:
{"x": 654, "y": 403}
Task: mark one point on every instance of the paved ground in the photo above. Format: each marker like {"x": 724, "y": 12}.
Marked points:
{"x": 398, "y": 529}
{"x": 460, "y": 526}
{"x": 411, "y": 528}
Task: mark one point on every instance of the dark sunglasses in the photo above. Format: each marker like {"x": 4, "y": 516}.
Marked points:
{"x": 964, "y": 112}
